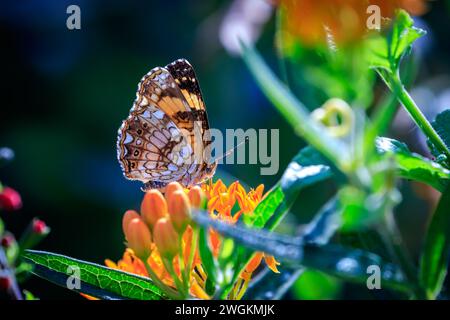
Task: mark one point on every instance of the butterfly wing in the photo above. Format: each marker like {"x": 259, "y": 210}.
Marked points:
{"x": 162, "y": 139}
{"x": 150, "y": 145}
{"x": 184, "y": 75}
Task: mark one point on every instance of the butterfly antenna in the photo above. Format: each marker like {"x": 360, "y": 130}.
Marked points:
{"x": 226, "y": 154}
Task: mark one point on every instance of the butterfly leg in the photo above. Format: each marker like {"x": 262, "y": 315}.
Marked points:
{"x": 161, "y": 186}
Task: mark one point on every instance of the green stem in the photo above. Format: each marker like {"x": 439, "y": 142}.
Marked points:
{"x": 417, "y": 115}
{"x": 382, "y": 119}
{"x": 169, "y": 291}
{"x": 180, "y": 286}
{"x": 280, "y": 46}
{"x": 182, "y": 262}
{"x": 295, "y": 112}
{"x": 192, "y": 253}
{"x": 392, "y": 239}
{"x": 8, "y": 271}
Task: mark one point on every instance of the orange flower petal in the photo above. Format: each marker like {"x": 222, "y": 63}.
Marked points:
{"x": 271, "y": 263}
{"x": 254, "y": 263}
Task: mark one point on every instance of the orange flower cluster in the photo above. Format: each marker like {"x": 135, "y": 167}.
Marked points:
{"x": 162, "y": 231}
{"x": 221, "y": 201}
{"x": 345, "y": 20}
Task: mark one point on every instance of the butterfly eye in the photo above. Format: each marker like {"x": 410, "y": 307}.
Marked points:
{"x": 139, "y": 131}
{"x": 145, "y": 125}
{"x": 136, "y": 153}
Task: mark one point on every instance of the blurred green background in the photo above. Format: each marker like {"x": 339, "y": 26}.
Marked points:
{"x": 65, "y": 92}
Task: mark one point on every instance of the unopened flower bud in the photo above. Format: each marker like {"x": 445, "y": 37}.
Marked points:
{"x": 7, "y": 241}
{"x": 196, "y": 197}
{"x": 40, "y": 228}
{"x": 127, "y": 217}
{"x": 179, "y": 210}
{"x": 172, "y": 187}
{"x": 10, "y": 199}
{"x": 139, "y": 238}
{"x": 166, "y": 238}
{"x": 153, "y": 207}
{"x": 37, "y": 230}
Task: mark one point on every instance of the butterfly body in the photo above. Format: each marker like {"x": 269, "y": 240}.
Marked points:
{"x": 166, "y": 135}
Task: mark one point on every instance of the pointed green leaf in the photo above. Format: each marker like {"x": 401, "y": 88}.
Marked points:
{"x": 345, "y": 263}
{"x": 208, "y": 261}
{"x": 435, "y": 257}
{"x": 442, "y": 126}
{"x": 269, "y": 285}
{"x": 95, "y": 280}
{"x": 307, "y": 168}
{"x": 387, "y": 51}
{"x": 414, "y": 166}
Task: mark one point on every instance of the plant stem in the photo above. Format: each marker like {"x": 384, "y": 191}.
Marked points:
{"x": 169, "y": 291}
{"x": 417, "y": 115}
{"x": 180, "y": 286}
{"x": 295, "y": 113}
{"x": 280, "y": 46}
{"x": 182, "y": 262}
{"x": 14, "y": 290}
{"x": 192, "y": 253}
{"x": 392, "y": 239}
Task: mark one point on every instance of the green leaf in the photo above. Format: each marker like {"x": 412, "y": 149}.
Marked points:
{"x": 29, "y": 296}
{"x": 442, "y": 126}
{"x": 315, "y": 285}
{"x": 435, "y": 257}
{"x": 386, "y": 52}
{"x": 269, "y": 285}
{"x": 208, "y": 261}
{"x": 345, "y": 263}
{"x": 273, "y": 201}
{"x": 307, "y": 168}
{"x": 293, "y": 110}
{"x": 413, "y": 166}
{"x": 95, "y": 280}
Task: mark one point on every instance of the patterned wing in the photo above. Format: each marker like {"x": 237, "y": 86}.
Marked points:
{"x": 151, "y": 147}
{"x": 162, "y": 139}
{"x": 184, "y": 75}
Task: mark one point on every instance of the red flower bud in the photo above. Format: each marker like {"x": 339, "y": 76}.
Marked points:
{"x": 10, "y": 199}
{"x": 7, "y": 241}
{"x": 39, "y": 227}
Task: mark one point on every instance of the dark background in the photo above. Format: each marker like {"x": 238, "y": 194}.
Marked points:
{"x": 65, "y": 92}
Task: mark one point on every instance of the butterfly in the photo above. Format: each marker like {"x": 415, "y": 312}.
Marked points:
{"x": 166, "y": 135}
